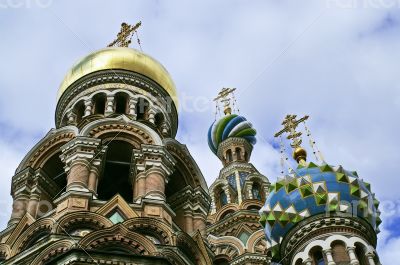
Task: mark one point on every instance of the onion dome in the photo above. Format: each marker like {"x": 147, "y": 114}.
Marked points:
{"x": 120, "y": 58}
{"x": 231, "y": 125}
{"x": 314, "y": 190}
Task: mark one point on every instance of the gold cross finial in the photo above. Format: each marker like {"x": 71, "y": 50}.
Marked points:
{"x": 124, "y": 37}
{"x": 225, "y": 97}
{"x": 289, "y": 126}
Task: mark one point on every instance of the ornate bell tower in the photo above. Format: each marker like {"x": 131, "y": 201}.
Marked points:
{"x": 110, "y": 184}
{"x": 237, "y": 194}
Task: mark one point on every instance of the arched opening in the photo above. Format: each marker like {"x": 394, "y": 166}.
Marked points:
{"x": 35, "y": 238}
{"x": 238, "y": 153}
{"x": 79, "y": 111}
{"x": 339, "y": 253}
{"x": 159, "y": 119}
{"x": 121, "y": 103}
{"x": 226, "y": 214}
{"x": 54, "y": 169}
{"x": 254, "y": 208}
{"x": 116, "y": 177}
{"x": 360, "y": 253}
{"x": 99, "y": 101}
{"x": 256, "y": 191}
{"x": 299, "y": 262}
{"x": 142, "y": 109}
{"x": 229, "y": 155}
{"x": 317, "y": 256}
{"x": 223, "y": 199}
{"x": 221, "y": 260}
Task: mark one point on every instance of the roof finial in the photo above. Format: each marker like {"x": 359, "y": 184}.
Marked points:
{"x": 289, "y": 126}
{"x": 225, "y": 97}
{"x": 124, "y": 37}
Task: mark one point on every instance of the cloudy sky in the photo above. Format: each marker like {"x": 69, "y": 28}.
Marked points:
{"x": 334, "y": 60}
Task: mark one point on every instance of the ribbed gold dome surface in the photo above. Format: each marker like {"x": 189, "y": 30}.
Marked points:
{"x": 120, "y": 58}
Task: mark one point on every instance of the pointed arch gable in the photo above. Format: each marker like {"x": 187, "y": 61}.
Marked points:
{"x": 25, "y": 222}
{"x": 54, "y": 139}
{"x": 119, "y": 235}
{"x": 185, "y": 160}
{"x": 77, "y": 219}
{"x": 121, "y": 124}
{"x": 139, "y": 224}
{"x": 58, "y": 247}
{"x": 117, "y": 202}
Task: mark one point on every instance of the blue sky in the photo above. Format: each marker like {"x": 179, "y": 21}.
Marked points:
{"x": 337, "y": 63}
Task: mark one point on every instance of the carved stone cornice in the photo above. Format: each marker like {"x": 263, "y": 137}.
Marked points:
{"x": 153, "y": 156}
{"x": 80, "y": 149}
{"x": 249, "y": 258}
{"x": 192, "y": 198}
{"x": 241, "y": 216}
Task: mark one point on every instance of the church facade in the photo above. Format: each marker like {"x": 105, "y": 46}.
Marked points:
{"x": 111, "y": 185}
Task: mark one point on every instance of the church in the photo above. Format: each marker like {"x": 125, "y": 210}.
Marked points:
{"x": 110, "y": 184}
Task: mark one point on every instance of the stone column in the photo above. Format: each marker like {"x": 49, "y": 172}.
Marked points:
{"x": 71, "y": 116}
{"x": 227, "y": 193}
{"x": 329, "y": 258}
{"x": 78, "y": 155}
{"x": 19, "y": 207}
{"x": 88, "y": 107}
{"x": 164, "y": 129}
{"x": 152, "y": 115}
{"x": 307, "y": 262}
{"x": 140, "y": 186}
{"x": 370, "y": 257}
{"x": 109, "y": 105}
{"x": 213, "y": 204}
{"x": 155, "y": 183}
{"x": 188, "y": 221}
{"x": 199, "y": 222}
{"x": 33, "y": 203}
{"x": 132, "y": 108}
{"x": 94, "y": 176}
{"x": 352, "y": 255}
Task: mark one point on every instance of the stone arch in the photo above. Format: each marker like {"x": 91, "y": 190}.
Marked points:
{"x": 339, "y": 252}
{"x": 52, "y": 141}
{"x": 139, "y": 132}
{"x": 121, "y": 102}
{"x": 257, "y": 242}
{"x": 156, "y": 227}
{"x": 248, "y": 204}
{"x": 118, "y": 235}
{"x": 79, "y": 110}
{"x": 5, "y": 252}
{"x": 172, "y": 256}
{"x": 33, "y": 233}
{"x": 188, "y": 246}
{"x": 99, "y": 101}
{"x": 305, "y": 253}
{"x": 57, "y": 248}
{"x": 229, "y": 208}
{"x": 227, "y": 244}
{"x": 80, "y": 220}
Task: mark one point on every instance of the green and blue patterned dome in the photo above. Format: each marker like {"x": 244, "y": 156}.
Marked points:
{"x": 231, "y": 125}
{"x": 314, "y": 190}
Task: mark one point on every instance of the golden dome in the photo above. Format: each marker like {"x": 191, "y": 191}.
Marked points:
{"x": 299, "y": 154}
{"x": 120, "y": 58}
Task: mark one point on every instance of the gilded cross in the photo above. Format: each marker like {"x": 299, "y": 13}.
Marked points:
{"x": 225, "y": 97}
{"x": 124, "y": 37}
{"x": 289, "y": 126}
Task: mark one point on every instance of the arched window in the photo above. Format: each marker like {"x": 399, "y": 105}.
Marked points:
{"x": 99, "y": 101}
{"x": 255, "y": 190}
{"x": 54, "y": 169}
{"x": 339, "y": 253}
{"x": 221, "y": 260}
{"x": 159, "y": 119}
{"x": 116, "y": 174}
{"x": 317, "y": 256}
{"x": 142, "y": 108}
{"x": 79, "y": 111}
{"x": 121, "y": 103}
{"x": 229, "y": 155}
{"x": 360, "y": 253}
{"x": 238, "y": 153}
{"x": 223, "y": 198}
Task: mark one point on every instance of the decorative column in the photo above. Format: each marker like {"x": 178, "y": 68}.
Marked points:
{"x": 88, "y": 107}
{"x": 20, "y": 191}
{"x": 33, "y": 203}
{"x": 132, "y": 107}
{"x": 109, "y": 105}
{"x": 352, "y": 255}
{"x": 78, "y": 155}
{"x": 140, "y": 186}
{"x": 152, "y": 115}
{"x": 71, "y": 116}
{"x": 228, "y": 194}
{"x": 164, "y": 129}
{"x": 213, "y": 203}
{"x": 94, "y": 175}
{"x": 329, "y": 258}
{"x": 188, "y": 215}
{"x": 18, "y": 207}
{"x": 155, "y": 183}
{"x": 307, "y": 262}
{"x": 370, "y": 256}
